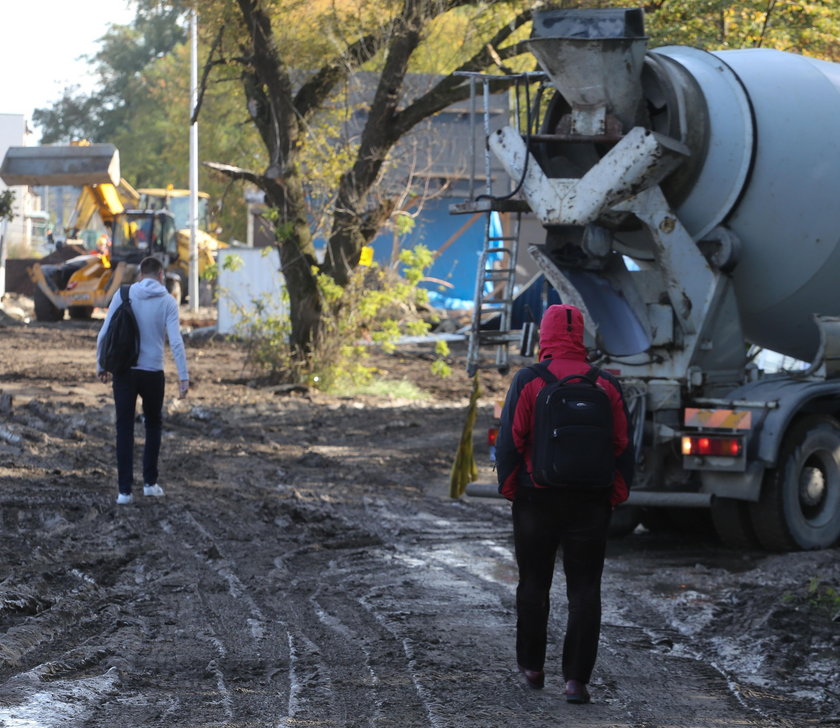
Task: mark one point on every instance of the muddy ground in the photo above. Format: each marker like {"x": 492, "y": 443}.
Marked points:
{"x": 306, "y": 568}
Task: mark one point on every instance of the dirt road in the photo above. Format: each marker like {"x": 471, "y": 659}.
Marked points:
{"x": 307, "y": 569}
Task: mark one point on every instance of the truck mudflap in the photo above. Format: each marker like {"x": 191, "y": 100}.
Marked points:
{"x": 745, "y": 486}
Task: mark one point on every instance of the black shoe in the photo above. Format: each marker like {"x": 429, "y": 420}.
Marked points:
{"x": 576, "y": 692}
{"x": 535, "y": 678}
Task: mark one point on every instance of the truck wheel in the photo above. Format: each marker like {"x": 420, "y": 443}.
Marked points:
{"x": 45, "y": 310}
{"x": 81, "y": 313}
{"x": 800, "y": 498}
{"x": 731, "y": 519}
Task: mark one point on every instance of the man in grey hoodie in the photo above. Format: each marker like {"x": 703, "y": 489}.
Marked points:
{"x": 157, "y": 318}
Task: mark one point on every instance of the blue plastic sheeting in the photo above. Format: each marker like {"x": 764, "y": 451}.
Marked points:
{"x": 456, "y": 267}
{"x": 530, "y": 304}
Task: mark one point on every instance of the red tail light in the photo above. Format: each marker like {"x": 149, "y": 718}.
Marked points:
{"x": 711, "y": 445}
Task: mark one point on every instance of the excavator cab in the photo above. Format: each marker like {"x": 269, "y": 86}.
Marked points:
{"x": 138, "y": 233}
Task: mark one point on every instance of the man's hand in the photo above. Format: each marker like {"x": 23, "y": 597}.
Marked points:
{"x": 104, "y": 377}
{"x": 183, "y": 386}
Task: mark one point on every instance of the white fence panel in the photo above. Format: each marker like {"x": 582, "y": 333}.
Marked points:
{"x": 257, "y": 279}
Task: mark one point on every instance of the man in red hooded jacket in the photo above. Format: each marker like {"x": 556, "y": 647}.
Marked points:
{"x": 545, "y": 519}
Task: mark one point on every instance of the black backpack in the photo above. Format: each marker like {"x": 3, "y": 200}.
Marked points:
{"x": 121, "y": 343}
{"x": 573, "y": 432}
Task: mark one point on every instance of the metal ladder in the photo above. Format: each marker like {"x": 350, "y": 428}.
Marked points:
{"x": 494, "y": 292}
{"x": 495, "y": 285}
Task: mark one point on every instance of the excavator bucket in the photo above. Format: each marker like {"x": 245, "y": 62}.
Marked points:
{"x": 61, "y": 165}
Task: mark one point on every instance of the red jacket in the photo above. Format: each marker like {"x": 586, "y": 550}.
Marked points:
{"x": 561, "y": 341}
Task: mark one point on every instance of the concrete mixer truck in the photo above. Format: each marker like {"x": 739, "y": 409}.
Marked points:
{"x": 690, "y": 207}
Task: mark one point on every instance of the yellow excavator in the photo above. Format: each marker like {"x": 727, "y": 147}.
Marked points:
{"x": 138, "y": 223}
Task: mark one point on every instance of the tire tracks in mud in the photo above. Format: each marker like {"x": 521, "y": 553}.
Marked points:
{"x": 296, "y": 610}
{"x": 284, "y": 608}
{"x": 300, "y": 571}
{"x": 671, "y": 623}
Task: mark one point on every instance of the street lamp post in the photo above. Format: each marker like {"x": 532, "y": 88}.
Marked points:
{"x": 193, "y": 282}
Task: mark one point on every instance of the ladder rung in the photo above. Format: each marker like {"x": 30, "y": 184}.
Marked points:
{"x": 497, "y": 293}
{"x": 473, "y": 206}
{"x": 498, "y": 337}
{"x": 487, "y": 302}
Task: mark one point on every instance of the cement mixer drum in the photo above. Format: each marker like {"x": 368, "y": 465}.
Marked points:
{"x": 770, "y": 172}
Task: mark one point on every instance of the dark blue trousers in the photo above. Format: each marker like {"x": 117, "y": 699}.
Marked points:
{"x": 149, "y": 386}
{"x": 543, "y": 521}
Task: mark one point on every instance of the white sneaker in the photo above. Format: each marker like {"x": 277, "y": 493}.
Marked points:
{"x": 155, "y": 490}
{"x": 123, "y": 499}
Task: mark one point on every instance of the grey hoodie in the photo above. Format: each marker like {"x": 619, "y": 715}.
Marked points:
{"x": 157, "y": 317}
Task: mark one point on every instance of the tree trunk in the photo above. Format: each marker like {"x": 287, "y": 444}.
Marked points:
{"x": 304, "y": 299}
{"x": 297, "y": 260}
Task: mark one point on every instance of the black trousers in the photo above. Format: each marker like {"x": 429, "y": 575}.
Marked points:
{"x": 149, "y": 386}
{"x": 543, "y": 521}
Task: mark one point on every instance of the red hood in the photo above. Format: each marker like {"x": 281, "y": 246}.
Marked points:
{"x": 561, "y": 333}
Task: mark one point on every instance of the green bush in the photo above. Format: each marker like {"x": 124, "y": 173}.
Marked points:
{"x": 7, "y": 199}
{"x": 376, "y": 307}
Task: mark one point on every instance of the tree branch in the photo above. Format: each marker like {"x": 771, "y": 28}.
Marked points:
{"x": 237, "y": 173}
{"x": 202, "y": 87}
{"x": 456, "y": 88}
{"x": 771, "y": 5}
{"x": 384, "y": 126}
{"x": 270, "y": 72}
{"x": 311, "y": 96}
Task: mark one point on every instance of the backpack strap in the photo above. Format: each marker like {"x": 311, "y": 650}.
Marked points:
{"x": 590, "y": 377}
{"x": 543, "y": 372}
{"x": 124, "y": 297}
{"x": 593, "y": 374}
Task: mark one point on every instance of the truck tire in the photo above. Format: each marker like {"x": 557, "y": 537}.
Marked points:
{"x": 80, "y": 313}
{"x": 45, "y": 310}
{"x": 731, "y": 519}
{"x": 799, "y": 506}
